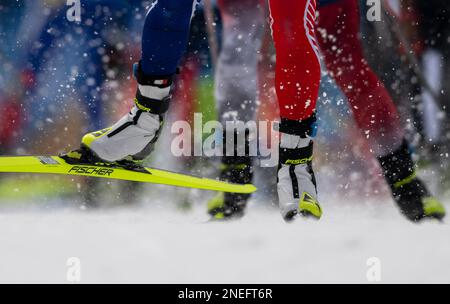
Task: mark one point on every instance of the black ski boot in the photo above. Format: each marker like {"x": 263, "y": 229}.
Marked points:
{"x": 409, "y": 192}
{"x": 238, "y": 170}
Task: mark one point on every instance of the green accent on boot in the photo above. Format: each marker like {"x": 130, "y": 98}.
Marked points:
{"x": 219, "y": 216}
{"x": 91, "y": 137}
{"x": 141, "y": 107}
{"x": 405, "y": 181}
{"x": 433, "y": 208}
{"x": 216, "y": 206}
{"x": 309, "y": 206}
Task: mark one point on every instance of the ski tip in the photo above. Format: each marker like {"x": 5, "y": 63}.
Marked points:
{"x": 244, "y": 189}
{"x": 252, "y": 188}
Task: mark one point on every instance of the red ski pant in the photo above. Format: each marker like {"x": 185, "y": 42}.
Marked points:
{"x": 297, "y": 68}
{"x": 372, "y": 106}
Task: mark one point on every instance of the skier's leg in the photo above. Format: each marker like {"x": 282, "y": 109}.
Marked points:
{"x": 236, "y": 71}
{"x": 164, "y": 40}
{"x": 297, "y": 85}
{"x": 165, "y": 36}
{"x": 236, "y": 93}
{"x": 374, "y": 110}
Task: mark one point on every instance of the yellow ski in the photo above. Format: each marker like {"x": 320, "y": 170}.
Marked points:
{"x": 57, "y": 165}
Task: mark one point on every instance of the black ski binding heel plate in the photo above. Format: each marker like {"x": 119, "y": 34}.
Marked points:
{"x": 88, "y": 158}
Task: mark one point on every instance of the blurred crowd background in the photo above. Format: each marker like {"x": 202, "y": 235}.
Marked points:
{"x": 60, "y": 79}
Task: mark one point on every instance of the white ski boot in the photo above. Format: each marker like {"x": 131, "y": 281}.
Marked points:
{"x": 132, "y": 138}
{"x": 297, "y": 190}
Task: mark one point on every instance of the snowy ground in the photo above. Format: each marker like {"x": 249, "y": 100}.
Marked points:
{"x": 160, "y": 245}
